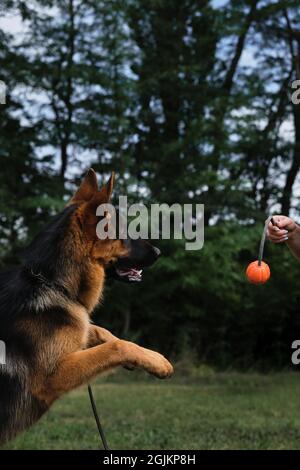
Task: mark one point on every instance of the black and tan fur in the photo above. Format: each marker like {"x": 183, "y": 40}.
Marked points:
{"x": 45, "y": 314}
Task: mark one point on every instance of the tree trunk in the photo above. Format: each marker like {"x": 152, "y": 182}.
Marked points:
{"x": 221, "y": 108}
{"x": 69, "y": 93}
{"x": 295, "y": 166}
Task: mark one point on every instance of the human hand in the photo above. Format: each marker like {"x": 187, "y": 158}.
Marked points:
{"x": 283, "y": 230}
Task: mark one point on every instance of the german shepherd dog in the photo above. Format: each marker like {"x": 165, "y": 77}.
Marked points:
{"x": 46, "y": 305}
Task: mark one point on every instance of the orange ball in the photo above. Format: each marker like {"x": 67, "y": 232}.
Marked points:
{"x": 258, "y": 274}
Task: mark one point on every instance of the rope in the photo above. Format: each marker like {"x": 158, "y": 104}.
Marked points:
{"x": 263, "y": 238}
{"x": 97, "y": 419}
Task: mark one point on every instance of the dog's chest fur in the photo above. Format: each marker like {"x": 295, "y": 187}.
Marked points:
{"x": 53, "y": 336}
{"x": 71, "y": 336}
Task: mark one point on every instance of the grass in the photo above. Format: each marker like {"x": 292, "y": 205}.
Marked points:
{"x": 222, "y": 411}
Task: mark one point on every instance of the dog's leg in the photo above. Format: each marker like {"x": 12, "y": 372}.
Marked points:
{"x": 81, "y": 366}
{"x": 98, "y": 335}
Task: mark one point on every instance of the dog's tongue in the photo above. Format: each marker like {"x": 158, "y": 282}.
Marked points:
{"x": 131, "y": 274}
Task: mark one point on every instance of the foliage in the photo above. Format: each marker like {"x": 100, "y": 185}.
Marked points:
{"x": 188, "y": 102}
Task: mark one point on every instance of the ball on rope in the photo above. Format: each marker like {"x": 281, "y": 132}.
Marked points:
{"x": 258, "y": 272}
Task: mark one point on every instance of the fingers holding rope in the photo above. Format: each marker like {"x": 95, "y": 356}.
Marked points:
{"x": 277, "y": 237}
{"x": 279, "y": 229}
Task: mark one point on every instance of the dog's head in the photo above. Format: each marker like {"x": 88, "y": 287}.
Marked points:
{"x": 123, "y": 259}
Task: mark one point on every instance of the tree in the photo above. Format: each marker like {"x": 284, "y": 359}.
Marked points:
{"x": 21, "y": 181}
{"x": 76, "y": 53}
{"x": 177, "y": 46}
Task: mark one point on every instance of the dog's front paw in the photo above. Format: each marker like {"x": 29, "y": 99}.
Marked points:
{"x": 159, "y": 365}
{"x": 151, "y": 361}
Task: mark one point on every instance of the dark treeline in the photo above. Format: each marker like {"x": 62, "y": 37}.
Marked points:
{"x": 188, "y": 101}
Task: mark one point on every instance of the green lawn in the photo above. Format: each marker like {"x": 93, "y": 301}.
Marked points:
{"x": 228, "y": 411}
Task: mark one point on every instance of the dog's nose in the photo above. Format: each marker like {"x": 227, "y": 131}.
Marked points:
{"x": 157, "y": 251}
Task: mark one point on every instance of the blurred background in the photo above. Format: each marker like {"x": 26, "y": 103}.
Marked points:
{"x": 188, "y": 102}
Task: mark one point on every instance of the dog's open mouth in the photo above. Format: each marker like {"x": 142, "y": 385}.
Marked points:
{"x": 132, "y": 274}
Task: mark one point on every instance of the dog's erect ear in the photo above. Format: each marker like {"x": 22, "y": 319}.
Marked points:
{"x": 106, "y": 192}
{"x": 87, "y": 189}
{"x": 100, "y": 197}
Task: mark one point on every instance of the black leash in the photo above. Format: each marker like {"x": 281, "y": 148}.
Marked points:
{"x": 97, "y": 419}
